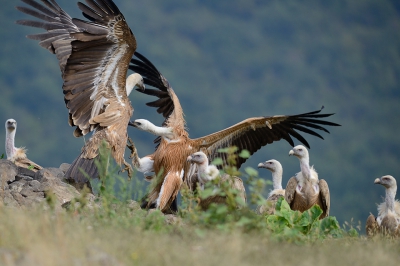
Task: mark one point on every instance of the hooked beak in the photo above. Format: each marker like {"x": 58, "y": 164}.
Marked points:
{"x": 261, "y": 165}
{"x": 189, "y": 158}
{"x": 291, "y": 152}
{"x": 377, "y": 181}
{"x": 132, "y": 124}
{"x": 140, "y": 87}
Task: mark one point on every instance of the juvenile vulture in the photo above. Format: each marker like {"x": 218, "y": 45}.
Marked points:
{"x": 93, "y": 56}
{"x": 17, "y": 155}
{"x": 174, "y": 144}
{"x": 206, "y": 173}
{"x": 388, "y": 220}
{"x": 276, "y": 169}
{"x": 305, "y": 189}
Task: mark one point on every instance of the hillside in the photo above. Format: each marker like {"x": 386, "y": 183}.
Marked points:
{"x": 229, "y": 60}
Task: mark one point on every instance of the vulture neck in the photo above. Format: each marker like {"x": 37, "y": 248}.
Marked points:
{"x": 166, "y": 132}
{"x": 389, "y": 199}
{"x": 305, "y": 167}
{"x": 202, "y": 168}
{"x": 277, "y": 179}
{"x": 10, "y": 148}
{"x": 131, "y": 82}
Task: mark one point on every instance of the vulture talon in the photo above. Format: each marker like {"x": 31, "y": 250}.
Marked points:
{"x": 127, "y": 168}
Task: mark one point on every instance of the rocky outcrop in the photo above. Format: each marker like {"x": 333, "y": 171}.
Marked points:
{"x": 23, "y": 188}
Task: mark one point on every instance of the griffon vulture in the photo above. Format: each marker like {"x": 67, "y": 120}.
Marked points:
{"x": 17, "y": 155}
{"x": 93, "y": 56}
{"x": 388, "y": 220}
{"x": 305, "y": 189}
{"x": 206, "y": 173}
{"x": 276, "y": 169}
{"x": 174, "y": 144}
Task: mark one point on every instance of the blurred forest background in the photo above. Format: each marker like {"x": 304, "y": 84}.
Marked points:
{"x": 229, "y": 60}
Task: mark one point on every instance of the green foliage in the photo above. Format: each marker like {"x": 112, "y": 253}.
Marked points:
{"x": 2, "y": 156}
{"x": 235, "y": 215}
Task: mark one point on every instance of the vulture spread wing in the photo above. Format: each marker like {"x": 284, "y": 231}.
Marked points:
{"x": 250, "y": 134}
{"x": 168, "y": 103}
{"x": 93, "y": 57}
{"x": 253, "y": 133}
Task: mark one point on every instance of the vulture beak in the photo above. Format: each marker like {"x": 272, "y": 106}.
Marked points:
{"x": 141, "y": 86}
{"x": 291, "y": 152}
{"x": 189, "y": 158}
{"x": 377, "y": 181}
{"x": 261, "y": 165}
{"x": 132, "y": 124}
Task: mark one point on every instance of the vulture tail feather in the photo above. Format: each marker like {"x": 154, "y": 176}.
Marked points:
{"x": 75, "y": 174}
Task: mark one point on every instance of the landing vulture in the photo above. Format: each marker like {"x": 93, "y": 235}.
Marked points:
{"x": 388, "y": 220}
{"x": 305, "y": 189}
{"x": 93, "y": 56}
{"x": 17, "y": 155}
{"x": 174, "y": 144}
{"x": 276, "y": 169}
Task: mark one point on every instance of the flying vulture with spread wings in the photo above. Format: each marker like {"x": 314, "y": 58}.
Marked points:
{"x": 93, "y": 55}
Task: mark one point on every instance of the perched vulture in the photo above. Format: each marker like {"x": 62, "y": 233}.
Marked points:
{"x": 388, "y": 220}
{"x": 305, "y": 189}
{"x": 206, "y": 173}
{"x": 93, "y": 56}
{"x": 17, "y": 155}
{"x": 174, "y": 144}
{"x": 276, "y": 169}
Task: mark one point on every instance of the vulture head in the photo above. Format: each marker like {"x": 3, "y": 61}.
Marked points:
{"x": 147, "y": 126}
{"x": 299, "y": 151}
{"x": 133, "y": 80}
{"x": 272, "y": 165}
{"x": 197, "y": 158}
{"x": 11, "y": 125}
{"x": 387, "y": 181}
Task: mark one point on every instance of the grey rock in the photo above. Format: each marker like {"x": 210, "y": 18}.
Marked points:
{"x": 35, "y": 185}
{"x": 17, "y": 185}
{"x": 8, "y": 171}
{"x": 9, "y": 201}
{"x": 27, "y": 192}
{"x": 24, "y": 173}
{"x": 64, "y": 167}
{"x": 49, "y": 172}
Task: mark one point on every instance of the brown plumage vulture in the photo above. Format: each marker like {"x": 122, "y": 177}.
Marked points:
{"x": 388, "y": 220}
{"x": 174, "y": 144}
{"x": 93, "y": 57}
{"x": 277, "y": 171}
{"x": 305, "y": 189}
{"x": 17, "y": 155}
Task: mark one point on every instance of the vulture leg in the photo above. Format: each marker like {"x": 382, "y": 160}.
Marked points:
{"x": 324, "y": 197}
{"x": 134, "y": 155}
{"x": 371, "y": 226}
{"x": 169, "y": 189}
{"x": 290, "y": 191}
{"x": 128, "y": 168}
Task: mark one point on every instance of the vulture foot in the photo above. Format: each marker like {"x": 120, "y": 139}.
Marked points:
{"x": 128, "y": 168}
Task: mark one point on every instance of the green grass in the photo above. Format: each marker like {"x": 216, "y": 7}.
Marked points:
{"x": 115, "y": 231}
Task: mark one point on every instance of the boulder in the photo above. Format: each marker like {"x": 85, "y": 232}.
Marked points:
{"x": 23, "y": 188}
{"x": 8, "y": 171}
